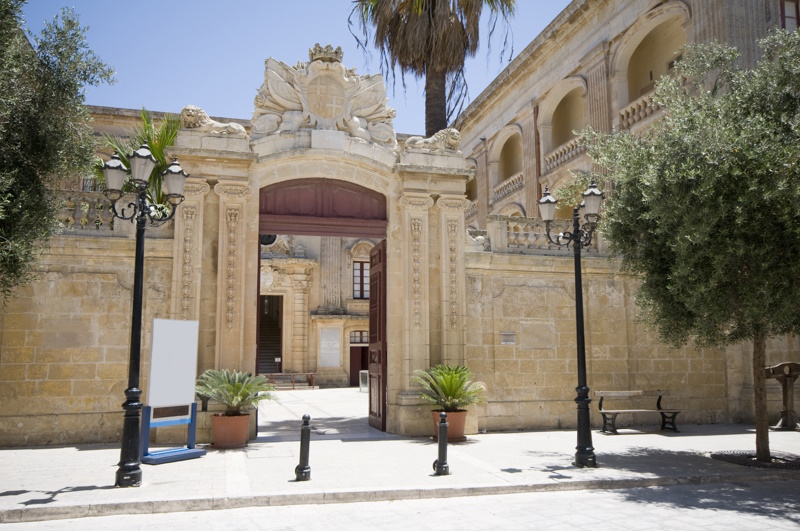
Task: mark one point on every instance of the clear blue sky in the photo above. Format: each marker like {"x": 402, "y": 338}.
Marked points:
{"x": 210, "y": 53}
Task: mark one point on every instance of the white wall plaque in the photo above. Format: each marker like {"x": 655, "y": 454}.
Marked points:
{"x": 330, "y": 347}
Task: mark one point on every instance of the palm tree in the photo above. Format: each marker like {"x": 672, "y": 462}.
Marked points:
{"x": 158, "y": 137}
{"x": 429, "y": 38}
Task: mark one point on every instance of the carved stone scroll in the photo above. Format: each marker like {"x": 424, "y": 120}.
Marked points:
{"x": 231, "y": 223}
{"x": 416, "y": 257}
{"x": 188, "y": 213}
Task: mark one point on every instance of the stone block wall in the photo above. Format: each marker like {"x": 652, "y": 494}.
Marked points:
{"x": 520, "y": 341}
{"x": 64, "y": 340}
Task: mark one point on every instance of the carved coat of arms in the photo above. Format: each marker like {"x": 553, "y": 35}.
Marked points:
{"x": 323, "y": 94}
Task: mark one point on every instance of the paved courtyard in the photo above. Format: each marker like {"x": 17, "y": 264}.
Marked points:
{"x": 353, "y": 464}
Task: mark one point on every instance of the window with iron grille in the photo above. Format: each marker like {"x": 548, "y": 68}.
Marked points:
{"x": 361, "y": 280}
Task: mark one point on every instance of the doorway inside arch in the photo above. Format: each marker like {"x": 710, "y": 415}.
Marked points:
{"x": 317, "y": 287}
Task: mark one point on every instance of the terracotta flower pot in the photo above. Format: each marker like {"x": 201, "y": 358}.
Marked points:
{"x": 455, "y": 425}
{"x": 230, "y": 432}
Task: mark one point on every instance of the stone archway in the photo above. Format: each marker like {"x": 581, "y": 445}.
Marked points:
{"x": 319, "y": 221}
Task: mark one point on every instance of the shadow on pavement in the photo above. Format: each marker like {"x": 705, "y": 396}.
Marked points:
{"x": 778, "y": 504}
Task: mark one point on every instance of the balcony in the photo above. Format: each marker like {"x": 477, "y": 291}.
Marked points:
{"x": 510, "y": 185}
{"x": 563, "y": 153}
{"x": 638, "y": 111}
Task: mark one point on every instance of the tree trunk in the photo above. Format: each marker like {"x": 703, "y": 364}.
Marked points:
{"x": 435, "y": 102}
{"x": 760, "y": 398}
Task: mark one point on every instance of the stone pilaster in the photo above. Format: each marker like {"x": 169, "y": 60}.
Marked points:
{"x": 301, "y": 284}
{"x": 483, "y": 183}
{"x": 188, "y": 251}
{"x": 416, "y": 328}
{"x": 530, "y": 169}
{"x": 595, "y": 64}
{"x": 331, "y": 272}
{"x": 451, "y": 242}
{"x": 230, "y": 273}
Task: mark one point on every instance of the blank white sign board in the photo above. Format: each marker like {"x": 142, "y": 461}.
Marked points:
{"x": 173, "y": 363}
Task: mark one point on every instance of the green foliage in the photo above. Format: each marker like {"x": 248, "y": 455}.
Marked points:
{"x": 159, "y": 137}
{"x": 705, "y": 205}
{"x": 233, "y": 389}
{"x": 426, "y": 38}
{"x": 44, "y": 131}
{"x": 571, "y": 192}
{"x": 449, "y": 387}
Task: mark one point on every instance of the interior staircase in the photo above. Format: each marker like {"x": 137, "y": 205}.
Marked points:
{"x": 269, "y": 347}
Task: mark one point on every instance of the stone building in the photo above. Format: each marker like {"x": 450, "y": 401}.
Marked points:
{"x": 289, "y": 216}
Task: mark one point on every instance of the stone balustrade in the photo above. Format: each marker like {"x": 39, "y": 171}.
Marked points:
{"x": 513, "y": 235}
{"x": 637, "y": 111}
{"x": 508, "y": 186}
{"x": 563, "y": 153}
{"x": 471, "y": 210}
{"x": 88, "y": 213}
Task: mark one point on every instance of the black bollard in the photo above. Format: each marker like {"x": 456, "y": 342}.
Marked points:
{"x": 440, "y": 466}
{"x": 303, "y": 471}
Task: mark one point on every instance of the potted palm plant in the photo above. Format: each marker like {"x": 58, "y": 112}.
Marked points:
{"x": 450, "y": 387}
{"x": 237, "y": 391}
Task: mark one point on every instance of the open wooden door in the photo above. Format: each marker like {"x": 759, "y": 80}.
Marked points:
{"x": 377, "y": 336}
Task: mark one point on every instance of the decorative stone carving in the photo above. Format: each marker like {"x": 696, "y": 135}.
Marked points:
{"x": 231, "y": 223}
{"x": 443, "y": 141}
{"x": 196, "y": 118}
{"x": 232, "y": 191}
{"x": 422, "y": 202}
{"x": 416, "y": 257}
{"x": 188, "y": 213}
{"x": 452, "y": 232}
{"x": 283, "y": 246}
{"x": 453, "y": 203}
{"x": 323, "y": 94}
{"x": 193, "y": 189}
{"x": 359, "y": 252}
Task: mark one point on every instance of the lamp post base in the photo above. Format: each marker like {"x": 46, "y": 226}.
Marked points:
{"x": 129, "y": 479}
{"x": 585, "y": 457}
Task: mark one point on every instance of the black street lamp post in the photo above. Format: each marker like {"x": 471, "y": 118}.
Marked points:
{"x": 580, "y": 237}
{"x": 142, "y": 162}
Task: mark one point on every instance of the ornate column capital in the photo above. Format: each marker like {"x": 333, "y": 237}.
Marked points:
{"x": 232, "y": 191}
{"x": 414, "y": 201}
{"x": 195, "y": 187}
{"x": 453, "y": 202}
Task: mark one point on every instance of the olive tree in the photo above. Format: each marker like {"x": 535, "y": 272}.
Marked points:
{"x": 44, "y": 131}
{"x": 705, "y": 203}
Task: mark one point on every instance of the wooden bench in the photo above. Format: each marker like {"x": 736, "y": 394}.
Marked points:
{"x": 610, "y": 415}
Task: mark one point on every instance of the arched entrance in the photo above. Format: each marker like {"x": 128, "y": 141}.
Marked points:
{"x": 331, "y": 220}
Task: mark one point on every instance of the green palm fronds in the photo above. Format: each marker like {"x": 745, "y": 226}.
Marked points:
{"x": 233, "y": 389}
{"x": 159, "y": 137}
{"x": 449, "y": 387}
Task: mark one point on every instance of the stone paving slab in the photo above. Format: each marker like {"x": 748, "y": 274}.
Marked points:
{"x": 359, "y": 464}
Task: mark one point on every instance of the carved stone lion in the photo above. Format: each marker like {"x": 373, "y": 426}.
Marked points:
{"x": 196, "y": 118}
{"x": 446, "y": 139}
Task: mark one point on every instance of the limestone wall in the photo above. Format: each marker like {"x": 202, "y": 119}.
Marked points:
{"x": 520, "y": 341}
{"x": 64, "y": 340}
